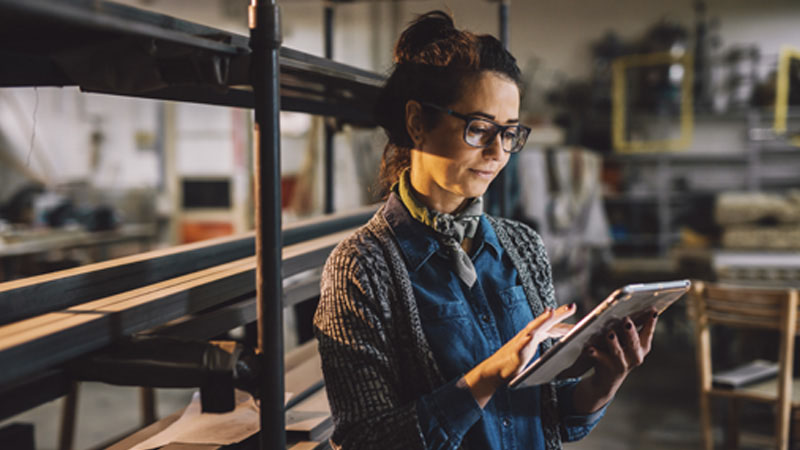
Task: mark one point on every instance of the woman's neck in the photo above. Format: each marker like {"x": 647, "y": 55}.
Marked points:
{"x": 435, "y": 198}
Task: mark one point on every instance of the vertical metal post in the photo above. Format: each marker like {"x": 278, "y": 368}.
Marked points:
{"x": 665, "y": 233}
{"x": 329, "y": 131}
{"x": 503, "y": 180}
{"x": 504, "y": 36}
{"x": 265, "y": 42}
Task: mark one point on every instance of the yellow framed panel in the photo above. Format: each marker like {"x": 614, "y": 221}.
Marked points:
{"x": 782, "y": 86}
{"x": 619, "y": 107}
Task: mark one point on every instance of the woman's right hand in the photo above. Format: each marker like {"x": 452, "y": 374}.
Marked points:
{"x": 485, "y": 378}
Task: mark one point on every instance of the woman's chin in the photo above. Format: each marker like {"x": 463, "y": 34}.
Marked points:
{"x": 476, "y": 190}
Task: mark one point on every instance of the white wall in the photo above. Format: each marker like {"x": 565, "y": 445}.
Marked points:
{"x": 61, "y": 123}
{"x": 557, "y": 32}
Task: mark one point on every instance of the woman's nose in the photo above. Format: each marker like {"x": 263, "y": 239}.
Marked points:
{"x": 495, "y": 149}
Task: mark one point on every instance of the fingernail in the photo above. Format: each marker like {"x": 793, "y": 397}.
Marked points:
{"x": 572, "y": 305}
{"x": 611, "y": 336}
{"x": 628, "y": 326}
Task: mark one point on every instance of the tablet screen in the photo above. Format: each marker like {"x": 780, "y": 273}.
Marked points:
{"x": 633, "y": 301}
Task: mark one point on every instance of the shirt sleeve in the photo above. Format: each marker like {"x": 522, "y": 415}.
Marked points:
{"x": 368, "y": 395}
{"x": 575, "y": 426}
{"x": 447, "y": 414}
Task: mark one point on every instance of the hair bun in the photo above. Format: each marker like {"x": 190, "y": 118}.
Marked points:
{"x": 433, "y": 39}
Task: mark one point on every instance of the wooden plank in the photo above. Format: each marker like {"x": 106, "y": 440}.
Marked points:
{"x": 32, "y": 296}
{"x": 309, "y": 445}
{"x": 310, "y": 419}
{"x": 766, "y": 311}
{"x": 45, "y": 320}
{"x": 296, "y": 258}
{"x": 305, "y": 376}
{"x": 20, "y": 299}
{"x": 307, "y": 255}
{"x": 208, "y": 324}
{"x": 736, "y": 321}
{"x": 43, "y": 341}
{"x": 80, "y": 333}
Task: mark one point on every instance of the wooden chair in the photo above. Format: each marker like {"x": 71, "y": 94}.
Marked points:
{"x": 746, "y": 307}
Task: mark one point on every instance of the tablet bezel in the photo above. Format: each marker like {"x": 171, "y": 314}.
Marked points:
{"x": 651, "y": 294}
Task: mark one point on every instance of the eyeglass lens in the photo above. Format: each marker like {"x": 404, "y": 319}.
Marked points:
{"x": 481, "y": 133}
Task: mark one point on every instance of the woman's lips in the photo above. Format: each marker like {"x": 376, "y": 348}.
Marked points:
{"x": 483, "y": 173}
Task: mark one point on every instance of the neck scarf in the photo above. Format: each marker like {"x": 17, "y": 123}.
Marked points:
{"x": 451, "y": 229}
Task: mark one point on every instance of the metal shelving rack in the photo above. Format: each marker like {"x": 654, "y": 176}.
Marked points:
{"x": 763, "y": 148}
{"x": 90, "y": 44}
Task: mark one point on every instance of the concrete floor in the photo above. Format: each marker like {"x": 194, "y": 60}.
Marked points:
{"x": 656, "y": 409}
{"x": 105, "y": 413}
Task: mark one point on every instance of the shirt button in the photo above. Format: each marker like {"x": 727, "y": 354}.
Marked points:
{"x": 485, "y": 318}
{"x": 506, "y": 422}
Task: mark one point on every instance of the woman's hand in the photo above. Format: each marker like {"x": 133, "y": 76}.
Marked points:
{"x": 623, "y": 350}
{"x": 496, "y": 370}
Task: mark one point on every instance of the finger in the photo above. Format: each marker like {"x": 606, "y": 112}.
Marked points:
{"x": 536, "y": 323}
{"x": 553, "y": 328}
{"x": 648, "y": 329}
{"x": 559, "y": 315}
{"x": 559, "y": 329}
{"x": 599, "y": 358}
{"x": 519, "y": 342}
{"x": 563, "y": 312}
{"x": 629, "y": 340}
{"x": 615, "y": 351}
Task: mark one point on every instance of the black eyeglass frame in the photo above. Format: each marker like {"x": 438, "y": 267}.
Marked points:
{"x": 501, "y": 129}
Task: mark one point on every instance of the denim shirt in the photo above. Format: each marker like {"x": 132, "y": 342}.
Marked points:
{"x": 464, "y": 326}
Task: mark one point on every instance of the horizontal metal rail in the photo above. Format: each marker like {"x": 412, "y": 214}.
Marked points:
{"x": 47, "y": 340}
{"x": 93, "y": 44}
{"x": 29, "y": 297}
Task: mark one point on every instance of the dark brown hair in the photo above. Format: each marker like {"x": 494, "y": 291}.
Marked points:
{"x": 432, "y": 62}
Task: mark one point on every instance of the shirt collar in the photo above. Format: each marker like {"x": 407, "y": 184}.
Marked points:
{"x": 486, "y": 235}
{"x": 418, "y": 242}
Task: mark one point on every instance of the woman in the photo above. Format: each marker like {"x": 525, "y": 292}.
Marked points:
{"x": 425, "y": 310}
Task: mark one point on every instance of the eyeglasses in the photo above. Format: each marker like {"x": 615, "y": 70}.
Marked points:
{"x": 480, "y": 132}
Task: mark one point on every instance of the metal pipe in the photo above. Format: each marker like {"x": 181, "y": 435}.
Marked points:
{"x": 265, "y": 42}
{"x": 503, "y": 179}
{"x": 329, "y": 131}
{"x": 328, "y": 29}
{"x": 504, "y": 32}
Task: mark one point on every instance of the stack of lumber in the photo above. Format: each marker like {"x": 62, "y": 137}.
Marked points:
{"x": 50, "y": 338}
{"x": 308, "y": 417}
{"x": 759, "y": 220}
{"x": 195, "y": 291}
{"x": 308, "y": 421}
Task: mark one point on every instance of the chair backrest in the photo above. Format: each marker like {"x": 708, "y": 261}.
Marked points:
{"x": 744, "y": 306}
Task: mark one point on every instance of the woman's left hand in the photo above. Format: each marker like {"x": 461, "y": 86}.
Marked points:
{"x": 624, "y": 349}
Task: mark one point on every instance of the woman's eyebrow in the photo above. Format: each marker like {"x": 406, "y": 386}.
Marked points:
{"x": 490, "y": 117}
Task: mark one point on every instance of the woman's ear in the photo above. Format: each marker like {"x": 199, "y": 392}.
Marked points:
{"x": 414, "y": 125}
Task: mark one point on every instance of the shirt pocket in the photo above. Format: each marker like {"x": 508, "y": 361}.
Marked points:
{"x": 444, "y": 312}
{"x": 516, "y": 305}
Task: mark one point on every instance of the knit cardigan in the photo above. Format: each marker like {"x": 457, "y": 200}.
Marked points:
{"x": 375, "y": 356}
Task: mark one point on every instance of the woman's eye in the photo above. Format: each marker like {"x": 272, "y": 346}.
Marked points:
{"x": 481, "y": 128}
{"x": 511, "y": 133}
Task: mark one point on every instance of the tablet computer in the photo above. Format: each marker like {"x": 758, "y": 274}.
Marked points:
{"x": 632, "y": 301}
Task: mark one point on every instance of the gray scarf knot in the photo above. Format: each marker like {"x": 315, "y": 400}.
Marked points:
{"x": 451, "y": 229}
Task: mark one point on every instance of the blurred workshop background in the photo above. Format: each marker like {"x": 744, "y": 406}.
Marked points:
{"x": 665, "y": 145}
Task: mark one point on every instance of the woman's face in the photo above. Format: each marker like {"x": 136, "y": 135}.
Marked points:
{"x": 445, "y": 170}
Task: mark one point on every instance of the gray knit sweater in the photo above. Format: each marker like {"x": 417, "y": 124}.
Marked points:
{"x": 375, "y": 356}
